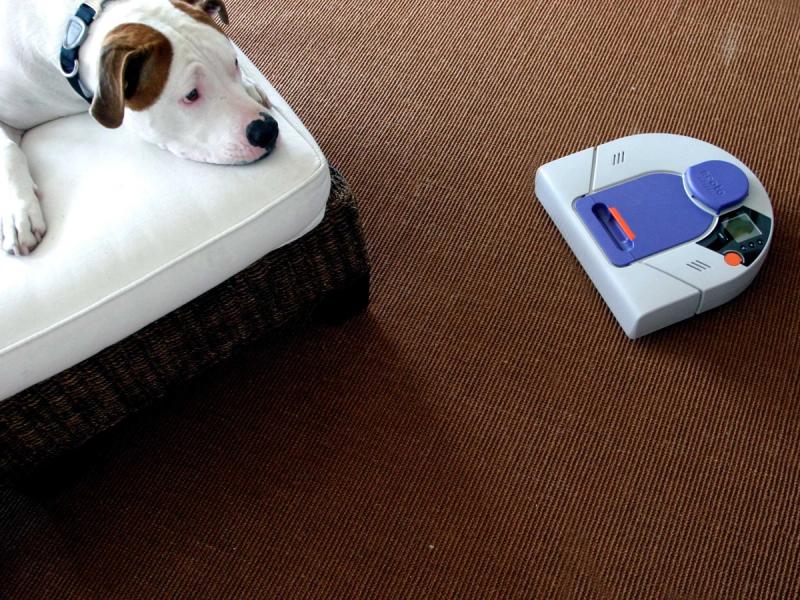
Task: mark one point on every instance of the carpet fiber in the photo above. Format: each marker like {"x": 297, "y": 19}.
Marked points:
{"x": 485, "y": 430}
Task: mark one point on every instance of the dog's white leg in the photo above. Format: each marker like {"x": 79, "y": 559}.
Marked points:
{"x": 22, "y": 225}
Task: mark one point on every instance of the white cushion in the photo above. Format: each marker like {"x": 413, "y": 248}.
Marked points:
{"x": 135, "y": 232}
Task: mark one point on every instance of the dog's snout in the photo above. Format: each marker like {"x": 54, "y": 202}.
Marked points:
{"x": 263, "y": 132}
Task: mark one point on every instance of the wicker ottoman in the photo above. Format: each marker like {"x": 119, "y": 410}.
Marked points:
{"x": 324, "y": 274}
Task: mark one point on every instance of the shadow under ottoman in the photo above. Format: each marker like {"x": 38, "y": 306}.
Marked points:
{"x": 325, "y": 274}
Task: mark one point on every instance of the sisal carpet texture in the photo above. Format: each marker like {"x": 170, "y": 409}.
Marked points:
{"x": 485, "y": 430}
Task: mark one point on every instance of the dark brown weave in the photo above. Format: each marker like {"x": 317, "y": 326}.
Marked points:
{"x": 283, "y": 287}
{"x": 485, "y": 430}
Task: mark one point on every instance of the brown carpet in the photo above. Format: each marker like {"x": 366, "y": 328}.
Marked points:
{"x": 486, "y": 430}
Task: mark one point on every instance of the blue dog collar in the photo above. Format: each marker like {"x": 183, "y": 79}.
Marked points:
{"x": 74, "y": 36}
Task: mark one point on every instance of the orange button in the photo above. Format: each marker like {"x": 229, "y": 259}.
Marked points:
{"x": 734, "y": 259}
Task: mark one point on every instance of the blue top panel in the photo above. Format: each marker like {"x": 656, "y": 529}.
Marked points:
{"x": 717, "y": 184}
{"x": 641, "y": 217}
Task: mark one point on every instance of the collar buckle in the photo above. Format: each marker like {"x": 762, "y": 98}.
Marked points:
{"x": 76, "y": 32}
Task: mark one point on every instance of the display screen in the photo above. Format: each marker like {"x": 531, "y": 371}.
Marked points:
{"x": 741, "y": 228}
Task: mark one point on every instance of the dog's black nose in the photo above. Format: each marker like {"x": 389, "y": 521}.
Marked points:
{"x": 263, "y": 133}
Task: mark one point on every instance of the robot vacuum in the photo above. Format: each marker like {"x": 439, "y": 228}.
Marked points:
{"x": 666, "y": 226}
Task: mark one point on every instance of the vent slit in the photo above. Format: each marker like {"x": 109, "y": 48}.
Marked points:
{"x": 698, "y": 265}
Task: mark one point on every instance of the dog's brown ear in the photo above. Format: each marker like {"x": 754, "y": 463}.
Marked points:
{"x": 134, "y": 66}
{"x": 211, "y": 8}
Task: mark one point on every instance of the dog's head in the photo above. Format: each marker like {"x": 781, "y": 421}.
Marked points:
{"x": 176, "y": 82}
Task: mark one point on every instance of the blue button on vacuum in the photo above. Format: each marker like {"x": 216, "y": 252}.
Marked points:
{"x": 718, "y": 184}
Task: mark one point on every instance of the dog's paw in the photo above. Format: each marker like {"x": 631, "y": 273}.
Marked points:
{"x": 255, "y": 92}
{"x": 22, "y": 224}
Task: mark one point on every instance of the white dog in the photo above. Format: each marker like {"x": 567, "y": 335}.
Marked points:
{"x": 161, "y": 68}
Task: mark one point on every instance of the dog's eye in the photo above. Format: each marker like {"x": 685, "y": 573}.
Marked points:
{"x": 192, "y": 96}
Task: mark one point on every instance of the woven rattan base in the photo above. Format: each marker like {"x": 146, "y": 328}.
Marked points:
{"x": 324, "y": 273}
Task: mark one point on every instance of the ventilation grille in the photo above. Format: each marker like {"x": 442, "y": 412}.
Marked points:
{"x": 698, "y": 265}
{"x": 618, "y": 158}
